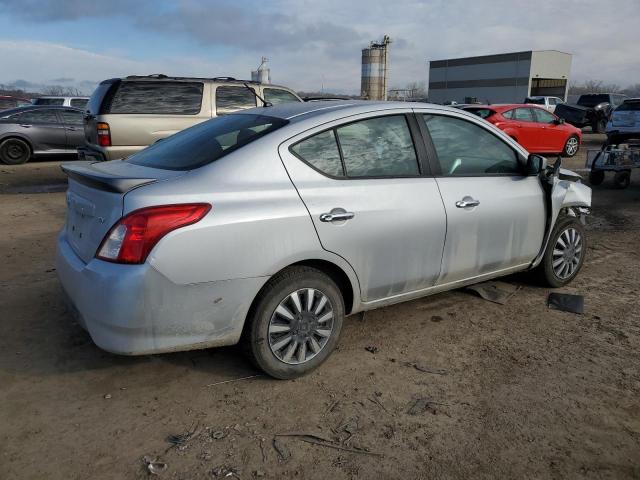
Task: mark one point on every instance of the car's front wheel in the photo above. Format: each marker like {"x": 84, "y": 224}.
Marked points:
{"x": 571, "y": 146}
{"x": 565, "y": 253}
{"x": 14, "y": 151}
{"x": 295, "y": 322}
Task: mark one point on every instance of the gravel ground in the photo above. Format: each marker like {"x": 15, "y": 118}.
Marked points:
{"x": 449, "y": 386}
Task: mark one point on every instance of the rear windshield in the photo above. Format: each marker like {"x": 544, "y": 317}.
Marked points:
{"x": 629, "y": 106}
{"x": 49, "y": 101}
{"x": 481, "y": 112}
{"x": 164, "y": 98}
{"x": 206, "y": 142}
{"x": 593, "y": 100}
{"x": 536, "y": 101}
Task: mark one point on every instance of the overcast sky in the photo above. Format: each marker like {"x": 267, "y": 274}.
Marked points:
{"x": 308, "y": 43}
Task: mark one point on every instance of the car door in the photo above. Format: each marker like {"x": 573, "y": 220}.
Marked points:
{"x": 44, "y": 129}
{"x": 552, "y": 134}
{"x": 495, "y": 213}
{"x": 74, "y": 128}
{"x": 528, "y": 130}
{"x": 370, "y": 200}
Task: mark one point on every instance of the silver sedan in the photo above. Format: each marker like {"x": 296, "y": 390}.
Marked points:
{"x": 270, "y": 225}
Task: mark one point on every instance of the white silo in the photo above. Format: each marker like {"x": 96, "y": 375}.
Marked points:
{"x": 373, "y": 85}
{"x": 262, "y": 74}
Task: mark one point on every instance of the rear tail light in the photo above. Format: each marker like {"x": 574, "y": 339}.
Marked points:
{"x": 132, "y": 238}
{"x": 104, "y": 134}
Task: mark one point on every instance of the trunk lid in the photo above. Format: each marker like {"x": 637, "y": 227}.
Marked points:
{"x": 572, "y": 113}
{"x": 95, "y": 199}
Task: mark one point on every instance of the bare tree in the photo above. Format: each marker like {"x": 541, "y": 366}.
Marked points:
{"x": 593, "y": 86}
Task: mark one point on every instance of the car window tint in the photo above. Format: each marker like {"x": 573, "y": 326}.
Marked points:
{"x": 169, "y": 98}
{"x": 39, "y": 116}
{"x": 629, "y": 106}
{"x": 464, "y": 148}
{"x": 206, "y": 142}
{"x": 523, "y": 115}
{"x": 276, "y": 96}
{"x": 71, "y": 117}
{"x": 232, "y": 99}
{"x": 543, "y": 116}
{"x": 321, "y": 151}
{"x": 378, "y": 147}
{"x": 79, "y": 102}
{"x": 481, "y": 112}
{"x": 508, "y": 114}
{"x": 49, "y": 101}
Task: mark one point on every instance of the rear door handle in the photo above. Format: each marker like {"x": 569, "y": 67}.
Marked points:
{"x": 336, "y": 217}
{"x": 467, "y": 202}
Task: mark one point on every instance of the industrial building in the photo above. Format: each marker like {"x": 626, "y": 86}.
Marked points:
{"x": 375, "y": 61}
{"x": 502, "y": 78}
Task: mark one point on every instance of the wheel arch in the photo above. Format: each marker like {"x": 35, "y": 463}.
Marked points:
{"x": 18, "y": 136}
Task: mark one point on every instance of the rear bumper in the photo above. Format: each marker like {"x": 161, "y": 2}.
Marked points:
{"x": 135, "y": 310}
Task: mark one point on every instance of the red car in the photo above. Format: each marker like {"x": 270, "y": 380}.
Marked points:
{"x": 536, "y": 129}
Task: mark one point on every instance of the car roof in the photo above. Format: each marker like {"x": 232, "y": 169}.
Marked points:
{"x": 159, "y": 77}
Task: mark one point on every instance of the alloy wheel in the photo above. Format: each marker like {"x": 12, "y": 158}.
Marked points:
{"x": 572, "y": 146}
{"x": 567, "y": 253}
{"x": 300, "y": 326}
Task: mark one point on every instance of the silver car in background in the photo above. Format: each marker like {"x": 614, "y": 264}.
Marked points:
{"x": 269, "y": 225}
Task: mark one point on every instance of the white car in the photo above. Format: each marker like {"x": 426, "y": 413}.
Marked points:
{"x": 547, "y": 102}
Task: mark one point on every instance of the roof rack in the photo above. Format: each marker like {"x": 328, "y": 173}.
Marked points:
{"x": 163, "y": 76}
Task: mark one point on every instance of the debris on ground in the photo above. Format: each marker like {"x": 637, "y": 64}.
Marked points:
{"x": 180, "y": 440}
{"x": 371, "y": 348}
{"x": 566, "y": 302}
{"x": 436, "y": 318}
{"x": 233, "y": 380}
{"x": 496, "y": 292}
{"x": 225, "y": 472}
{"x": 425, "y": 369}
{"x": 325, "y": 442}
{"x": 107, "y": 396}
{"x": 154, "y": 467}
{"x": 284, "y": 453}
{"x": 421, "y": 405}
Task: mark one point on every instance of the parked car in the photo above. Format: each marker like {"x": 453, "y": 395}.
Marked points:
{"x": 269, "y": 225}
{"x": 533, "y": 127}
{"x": 549, "y": 103}
{"x": 128, "y": 114}
{"x": 76, "y": 102}
{"x": 31, "y": 131}
{"x": 624, "y": 123}
{"x": 592, "y": 110}
{"x": 11, "y": 101}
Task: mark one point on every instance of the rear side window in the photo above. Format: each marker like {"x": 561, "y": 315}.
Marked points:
{"x": 321, "y": 152}
{"x": 543, "y": 116}
{"x": 49, "y": 101}
{"x": 276, "y": 96}
{"x": 39, "y": 116}
{"x": 168, "y": 98}
{"x": 536, "y": 101}
{"x": 72, "y": 117}
{"x": 206, "y": 142}
{"x": 523, "y": 115}
{"x": 231, "y": 99}
{"x": 79, "y": 102}
{"x": 378, "y": 147}
{"x": 508, "y": 114}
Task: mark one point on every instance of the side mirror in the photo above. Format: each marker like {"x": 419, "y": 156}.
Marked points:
{"x": 559, "y": 121}
{"x": 536, "y": 164}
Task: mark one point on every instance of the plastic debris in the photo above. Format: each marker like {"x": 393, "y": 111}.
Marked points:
{"x": 154, "y": 467}
{"x": 566, "y": 302}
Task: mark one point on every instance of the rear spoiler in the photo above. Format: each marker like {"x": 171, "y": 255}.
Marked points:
{"x": 83, "y": 172}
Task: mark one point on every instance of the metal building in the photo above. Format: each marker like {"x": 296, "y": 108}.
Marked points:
{"x": 262, "y": 74}
{"x": 373, "y": 85}
{"x": 502, "y": 78}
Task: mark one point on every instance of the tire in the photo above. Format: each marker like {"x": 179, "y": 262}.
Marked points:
{"x": 571, "y": 146}
{"x": 599, "y": 126}
{"x": 596, "y": 177}
{"x": 14, "y": 151}
{"x": 562, "y": 273}
{"x": 267, "y": 329}
{"x": 622, "y": 179}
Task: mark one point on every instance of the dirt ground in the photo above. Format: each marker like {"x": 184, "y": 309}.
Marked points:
{"x": 446, "y": 387}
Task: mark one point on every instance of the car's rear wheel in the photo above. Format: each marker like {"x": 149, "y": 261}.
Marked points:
{"x": 565, "y": 253}
{"x": 571, "y": 146}
{"x": 295, "y": 322}
{"x": 622, "y": 179}
{"x": 14, "y": 151}
{"x": 596, "y": 177}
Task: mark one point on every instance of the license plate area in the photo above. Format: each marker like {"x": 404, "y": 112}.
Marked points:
{"x": 80, "y": 215}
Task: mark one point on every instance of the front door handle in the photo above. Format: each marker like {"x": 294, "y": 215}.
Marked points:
{"x": 336, "y": 216}
{"x": 467, "y": 202}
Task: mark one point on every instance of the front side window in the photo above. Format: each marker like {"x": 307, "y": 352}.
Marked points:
{"x": 378, "y": 147}
{"x": 276, "y": 96}
{"x": 39, "y": 116}
{"x": 72, "y": 117}
{"x": 165, "y": 98}
{"x": 232, "y": 99}
{"x": 508, "y": 114}
{"x": 321, "y": 152}
{"x": 206, "y": 142}
{"x": 523, "y": 115}
{"x": 466, "y": 149}
{"x": 79, "y": 102}
{"x": 543, "y": 116}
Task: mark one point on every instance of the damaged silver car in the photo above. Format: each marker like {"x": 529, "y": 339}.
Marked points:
{"x": 268, "y": 226}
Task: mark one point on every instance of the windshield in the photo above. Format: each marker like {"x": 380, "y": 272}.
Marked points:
{"x": 536, "y": 101}
{"x": 206, "y": 142}
{"x": 629, "y": 106}
{"x": 593, "y": 100}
